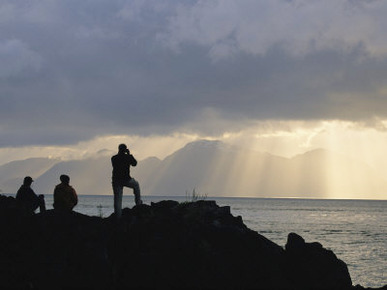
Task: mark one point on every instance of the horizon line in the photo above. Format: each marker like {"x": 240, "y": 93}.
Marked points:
{"x": 225, "y": 197}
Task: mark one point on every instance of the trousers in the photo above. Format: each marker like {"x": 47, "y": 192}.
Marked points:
{"x": 118, "y": 188}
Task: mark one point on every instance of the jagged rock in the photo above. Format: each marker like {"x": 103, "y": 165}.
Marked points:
{"x": 310, "y": 265}
{"x": 166, "y": 244}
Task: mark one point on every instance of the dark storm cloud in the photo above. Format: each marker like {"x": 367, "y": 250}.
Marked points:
{"x": 76, "y": 69}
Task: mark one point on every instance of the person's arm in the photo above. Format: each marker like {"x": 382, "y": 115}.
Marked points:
{"x": 75, "y": 197}
{"x": 133, "y": 160}
{"x": 34, "y": 199}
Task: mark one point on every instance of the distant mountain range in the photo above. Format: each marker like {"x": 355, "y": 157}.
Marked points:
{"x": 211, "y": 168}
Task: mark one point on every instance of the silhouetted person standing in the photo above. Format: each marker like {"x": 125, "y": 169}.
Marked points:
{"x": 27, "y": 199}
{"x": 121, "y": 177}
{"x": 65, "y": 196}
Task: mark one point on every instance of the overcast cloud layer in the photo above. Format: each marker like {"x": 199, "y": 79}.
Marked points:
{"x": 71, "y": 70}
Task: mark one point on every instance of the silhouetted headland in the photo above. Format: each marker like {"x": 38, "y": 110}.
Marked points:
{"x": 165, "y": 245}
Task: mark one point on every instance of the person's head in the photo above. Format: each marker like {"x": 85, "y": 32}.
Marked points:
{"x": 27, "y": 180}
{"x": 64, "y": 178}
{"x": 122, "y": 148}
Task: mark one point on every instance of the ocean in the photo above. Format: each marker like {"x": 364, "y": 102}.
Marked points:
{"x": 355, "y": 230}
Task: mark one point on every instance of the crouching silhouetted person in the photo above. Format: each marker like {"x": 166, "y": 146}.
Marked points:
{"x": 27, "y": 199}
{"x": 121, "y": 177}
{"x": 65, "y": 196}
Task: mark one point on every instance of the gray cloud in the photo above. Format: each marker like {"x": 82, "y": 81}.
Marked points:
{"x": 16, "y": 58}
{"x": 73, "y": 70}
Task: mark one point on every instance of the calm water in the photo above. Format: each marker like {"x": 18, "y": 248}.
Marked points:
{"x": 355, "y": 230}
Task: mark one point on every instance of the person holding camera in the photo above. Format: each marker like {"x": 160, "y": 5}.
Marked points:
{"x": 121, "y": 163}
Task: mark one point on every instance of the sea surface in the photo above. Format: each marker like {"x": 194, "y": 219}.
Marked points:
{"x": 355, "y": 230}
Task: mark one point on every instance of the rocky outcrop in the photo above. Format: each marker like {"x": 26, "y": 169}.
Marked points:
{"x": 309, "y": 265}
{"x": 194, "y": 245}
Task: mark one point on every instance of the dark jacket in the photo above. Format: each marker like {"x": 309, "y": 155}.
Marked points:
{"x": 65, "y": 197}
{"x": 121, "y": 166}
{"x": 27, "y": 199}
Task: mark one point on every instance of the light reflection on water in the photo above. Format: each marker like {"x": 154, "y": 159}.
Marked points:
{"x": 355, "y": 230}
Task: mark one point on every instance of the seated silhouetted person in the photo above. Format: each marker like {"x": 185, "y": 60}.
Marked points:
{"x": 65, "y": 196}
{"x": 27, "y": 199}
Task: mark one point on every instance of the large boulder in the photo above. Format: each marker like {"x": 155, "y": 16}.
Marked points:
{"x": 192, "y": 245}
{"x": 309, "y": 265}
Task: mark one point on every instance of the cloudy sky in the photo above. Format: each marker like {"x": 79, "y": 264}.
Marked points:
{"x": 284, "y": 76}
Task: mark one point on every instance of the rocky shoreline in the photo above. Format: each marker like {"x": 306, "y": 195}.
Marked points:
{"x": 165, "y": 245}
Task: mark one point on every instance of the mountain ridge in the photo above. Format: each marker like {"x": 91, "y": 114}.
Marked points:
{"x": 216, "y": 169}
